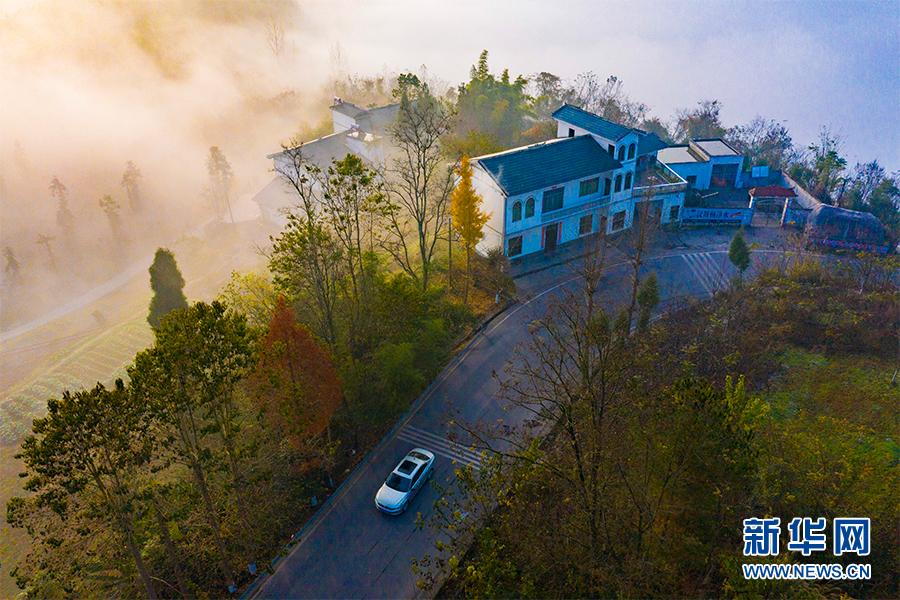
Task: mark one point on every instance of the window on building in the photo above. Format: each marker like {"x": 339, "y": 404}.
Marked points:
{"x": 618, "y": 183}
{"x": 529, "y": 208}
{"x": 621, "y": 153}
{"x": 517, "y": 212}
{"x": 589, "y": 186}
{"x": 628, "y": 180}
{"x": 515, "y": 246}
{"x": 692, "y": 179}
{"x": 553, "y": 200}
{"x": 612, "y": 150}
{"x": 631, "y": 150}
{"x": 571, "y": 132}
{"x": 607, "y": 186}
{"x": 618, "y": 220}
{"x": 584, "y": 226}
{"x": 673, "y": 213}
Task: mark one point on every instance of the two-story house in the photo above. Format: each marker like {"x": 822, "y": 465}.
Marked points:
{"x": 588, "y": 180}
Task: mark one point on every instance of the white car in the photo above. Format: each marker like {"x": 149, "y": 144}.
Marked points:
{"x": 403, "y": 483}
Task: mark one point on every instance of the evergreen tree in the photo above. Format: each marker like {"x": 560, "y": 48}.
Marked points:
{"x": 739, "y": 253}
{"x": 167, "y": 285}
{"x": 130, "y": 183}
{"x": 647, "y": 299}
{"x": 111, "y": 209}
{"x": 469, "y": 220}
{"x": 64, "y": 217}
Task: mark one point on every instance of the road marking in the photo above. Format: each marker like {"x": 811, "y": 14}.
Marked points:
{"x": 706, "y": 269}
{"x": 442, "y": 446}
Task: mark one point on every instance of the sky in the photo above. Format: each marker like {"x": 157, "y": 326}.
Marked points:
{"x": 806, "y": 64}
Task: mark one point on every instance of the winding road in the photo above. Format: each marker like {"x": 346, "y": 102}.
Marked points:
{"x": 350, "y": 549}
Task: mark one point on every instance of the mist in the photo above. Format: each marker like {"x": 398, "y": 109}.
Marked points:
{"x": 88, "y": 86}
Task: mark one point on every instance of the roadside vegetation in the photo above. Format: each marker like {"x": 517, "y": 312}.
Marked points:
{"x": 646, "y": 451}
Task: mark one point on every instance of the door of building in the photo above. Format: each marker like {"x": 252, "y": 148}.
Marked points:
{"x": 551, "y": 233}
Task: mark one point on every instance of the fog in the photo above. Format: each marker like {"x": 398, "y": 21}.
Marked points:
{"x": 90, "y": 85}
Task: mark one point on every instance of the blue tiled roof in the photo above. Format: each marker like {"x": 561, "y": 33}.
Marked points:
{"x": 650, "y": 143}
{"x": 547, "y": 164}
{"x": 590, "y": 122}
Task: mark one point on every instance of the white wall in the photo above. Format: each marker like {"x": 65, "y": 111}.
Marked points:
{"x": 493, "y": 203}
{"x": 703, "y": 172}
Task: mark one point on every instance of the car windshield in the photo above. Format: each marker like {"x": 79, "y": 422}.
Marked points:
{"x": 401, "y": 484}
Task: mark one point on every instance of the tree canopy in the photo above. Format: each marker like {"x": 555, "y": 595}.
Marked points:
{"x": 167, "y": 285}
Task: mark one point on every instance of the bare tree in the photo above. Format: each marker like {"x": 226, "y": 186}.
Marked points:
{"x": 306, "y": 259}
{"x": 643, "y": 229}
{"x": 275, "y": 34}
{"x": 420, "y": 182}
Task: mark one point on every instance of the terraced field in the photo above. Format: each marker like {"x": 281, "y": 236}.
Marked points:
{"x": 99, "y": 357}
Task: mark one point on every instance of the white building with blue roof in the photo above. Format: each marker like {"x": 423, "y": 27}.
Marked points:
{"x": 587, "y": 181}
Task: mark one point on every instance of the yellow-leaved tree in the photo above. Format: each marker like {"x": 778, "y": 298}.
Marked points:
{"x": 468, "y": 218}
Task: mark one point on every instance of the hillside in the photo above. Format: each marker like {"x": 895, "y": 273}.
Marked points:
{"x": 771, "y": 400}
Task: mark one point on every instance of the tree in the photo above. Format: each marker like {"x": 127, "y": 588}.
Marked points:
{"x": 64, "y": 217}
{"x": 763, "y": 143}
{"x": 187, "y": 380}
{"x": 306, "y": 259}
{"x": 167, "y": 285}
{"x": 221, "y": 182}
{"x": 607, "y": 99}
{"x": 132, "y": 188}
{"x": 701, "y": 122}
{"x": 654, "y": 125}
{"x": 44, "y": 240}
{"x": 739, "y": 253}
{"x": 827, "y": 164}
{"x": 640, "y": 236}
{"x": 354, "y": 202}
{"x": 12, "y": 264}
{"x": 275, "y": 34}
{"x": 492, "y": 107}
{"x": 111, "y": 209}
{"x": 253, "y": 296}
{"x": 865, "y": 180}
{"x": 468, "y": 218}
{"x": 295, "y": 383}
{"x": 90, "y": 446}
{"x": 420, "y": 184}
{"x": 647, "y": 299}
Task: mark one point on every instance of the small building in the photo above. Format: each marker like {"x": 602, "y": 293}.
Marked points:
{"x": 841, "y": 228}
{"x": 356, "y": 131}
{"x": 704, "y": 164}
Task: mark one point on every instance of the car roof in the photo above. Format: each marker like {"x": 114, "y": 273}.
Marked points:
{"x": 411, "y": 461}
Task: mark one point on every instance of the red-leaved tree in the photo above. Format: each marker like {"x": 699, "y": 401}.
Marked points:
{"x": 296, "y": 385}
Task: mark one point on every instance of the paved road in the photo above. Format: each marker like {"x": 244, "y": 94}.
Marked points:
{"x": 351, "y": 550}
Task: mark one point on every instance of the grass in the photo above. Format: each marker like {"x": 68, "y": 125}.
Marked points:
{"x": 853, "y": 388}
